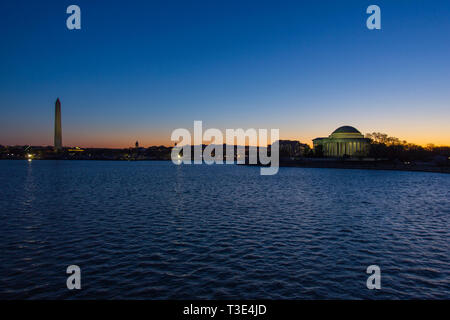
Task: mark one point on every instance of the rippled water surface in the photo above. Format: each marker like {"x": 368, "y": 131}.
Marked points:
{"x": 154, "y": 230}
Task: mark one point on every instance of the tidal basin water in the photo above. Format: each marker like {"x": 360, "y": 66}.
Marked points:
{"x": 153, "y": 230}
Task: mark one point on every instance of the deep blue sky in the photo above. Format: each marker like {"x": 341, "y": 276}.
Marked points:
{"x": 139, "y": 69}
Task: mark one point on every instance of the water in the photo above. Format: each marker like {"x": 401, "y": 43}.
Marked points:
{"x": 153, "y": 230}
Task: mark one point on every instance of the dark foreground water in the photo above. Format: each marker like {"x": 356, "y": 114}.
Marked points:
{"x": 154, "y": 230}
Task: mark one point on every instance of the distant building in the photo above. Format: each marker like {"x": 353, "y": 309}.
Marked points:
{"x": 292, "y": 148}
{"x": 58, "y": 128}
{"x": 137, "y": 144}
{"x": 344, "y": 141}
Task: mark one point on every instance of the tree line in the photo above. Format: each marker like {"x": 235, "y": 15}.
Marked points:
{"x": 383, "y": 146}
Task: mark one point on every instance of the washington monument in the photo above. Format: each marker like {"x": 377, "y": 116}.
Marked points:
{"x": 58, "y": 129}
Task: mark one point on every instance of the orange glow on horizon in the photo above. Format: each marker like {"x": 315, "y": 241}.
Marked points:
{"x": 145, "y": 143}
{"x": 121, "y": 140}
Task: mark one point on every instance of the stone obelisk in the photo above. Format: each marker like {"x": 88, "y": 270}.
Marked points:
{"x": 58, "y": 129}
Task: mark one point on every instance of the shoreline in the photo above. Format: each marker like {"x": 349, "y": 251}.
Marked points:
{"x": 359, "y": 165}
{"x": 377, "y": 166}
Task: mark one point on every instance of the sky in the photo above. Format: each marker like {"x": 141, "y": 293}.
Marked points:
{"x": 137, "y": 70}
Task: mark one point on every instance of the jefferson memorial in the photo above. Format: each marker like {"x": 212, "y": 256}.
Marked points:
{"x": 344, "y": 141}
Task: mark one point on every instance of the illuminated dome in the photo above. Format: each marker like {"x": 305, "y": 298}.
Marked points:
{"x": 345, "y": 141}
{"x": 346, "y": 129}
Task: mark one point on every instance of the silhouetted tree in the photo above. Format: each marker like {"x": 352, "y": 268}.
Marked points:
{"x": 318, "y": 151}
{"x": 384, "y": 146}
